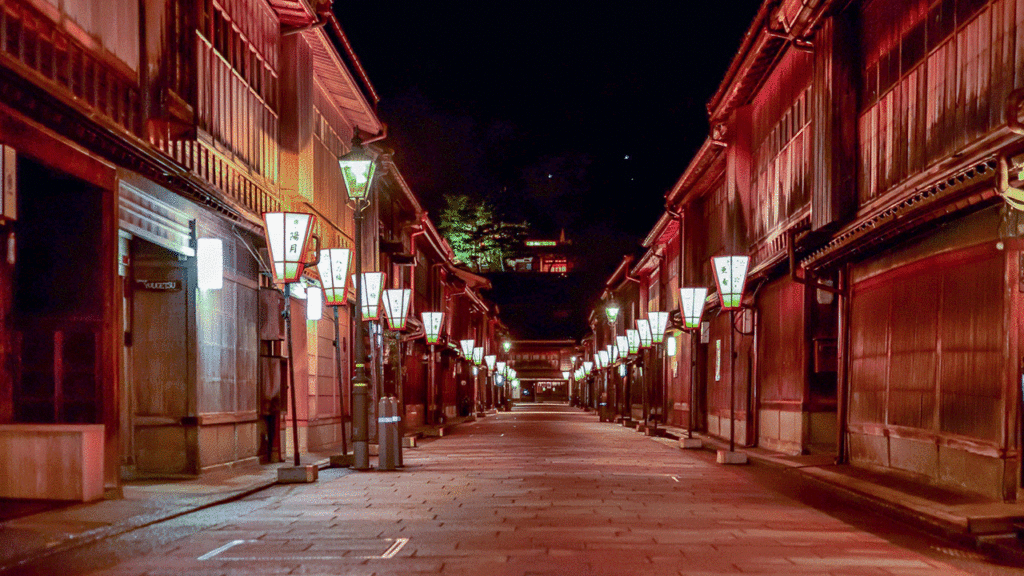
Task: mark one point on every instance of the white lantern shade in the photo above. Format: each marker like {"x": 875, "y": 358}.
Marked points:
{"x": 373, "y": 283}
{"x": 467, "y": 348}
{"x": 731, "y": 276}
{"x": 478, "y": 355}
{"x": 588, "y": 366}
{"x": 334, "y": 275}
{"x": 644, "y": 328}
{"x": 210, "y": 263}
{"x": 659, "y": 321}
{"x": 633, "y": 341}
{"x": 490, "y": 360}
{"x": 604, "y": 357}
{"x": 691, "y": 302}
{"x": 622, "y": 343}
{"x": 396, "y": 306}
{"x": 501, "y": 368}
{"x": 432, "y": 325}
{"x": 287, "y": 235}
{"x": 314, "y": 303}
{"x": 506, "y": 345}
{"x": 475, "y": 370}
{"x": 357, "y": 169}
{"x": 670, "y": 346}
{"x": 615, "y": 353}
{"x": 565, "y": 375}
{"x": 622, "y": 370}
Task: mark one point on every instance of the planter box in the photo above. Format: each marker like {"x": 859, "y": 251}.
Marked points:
{"x": 51, "y": 461}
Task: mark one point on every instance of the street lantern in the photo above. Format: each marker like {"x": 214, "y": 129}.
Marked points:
{"x": 490, "y": 360}
{"x": 478, "y": 355}
{"x": 373, "y": 282}
{"x": 287, "y": 236}
{"x": 506, "y": 345}
{"x": 603, "y": 354}
{"x": 670, "y": 346}
{"x": 611, "y": 310}
{"x": 501, "y": 368}
{"x": 633, "y": 341}
{"x": 692, "y": 303}
{"x": 357, "y": 170}
{"x": 588, "y": 366}
{"x": 467, "y": 348}
{"x": 622, "y": 344}
{"x": 644, "y": 328}
{"x": 396, "y": 306}
{"x": 731, "y": 276}
{"x": 659, "y": 321}
{"x": 565, "y": 375}
{"x": 432, "y": 326}
{"x": 333, "y": 270}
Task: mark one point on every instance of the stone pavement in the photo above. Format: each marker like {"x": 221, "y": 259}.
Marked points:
{"x": 543, "y": 490}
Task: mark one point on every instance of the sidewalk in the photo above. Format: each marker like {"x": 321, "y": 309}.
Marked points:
{"x": 143, "y": 503}
{"x": 990, "y": 526}
{"x": 147, "y": 502}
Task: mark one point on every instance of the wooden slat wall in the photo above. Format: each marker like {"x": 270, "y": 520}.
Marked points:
{"x": 781, "y": 369}
{"x": 935, "y": 79}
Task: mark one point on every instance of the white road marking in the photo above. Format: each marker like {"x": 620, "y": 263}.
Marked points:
{"x": 395, "y": 548}
{"x": 674, "y": 478}
{"x": 227, "y": 546}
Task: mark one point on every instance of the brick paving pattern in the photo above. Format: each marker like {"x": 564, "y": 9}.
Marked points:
{"x": 542, "y": 490}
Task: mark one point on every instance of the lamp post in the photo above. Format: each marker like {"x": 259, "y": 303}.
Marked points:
{"x": 611, "y": 312}
{"x": 334, "y": 277}
{"x": 287, "y": 235}
{"x": 389, "y": 438}
{"x": 658, "y": 323}
{"x": 432, "y": 330}
{"x": 357, "y": 170}
{"x": 643, "y": 329}
{"x": 396, "y": 308}
{"x": 731, "y": 276}
{"x": 491, "y": 361}
{"x": 691, "y": 303}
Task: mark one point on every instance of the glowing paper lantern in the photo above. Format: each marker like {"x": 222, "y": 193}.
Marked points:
{"x": 692, "y": 303}
{"x": 373, "y": 282}
{"x": 396, "y": 306}
{"x": 357, "y": 169}
{"x": 334, "y": 274}
{"x": 287, "y": 235}
{"x": 644, "y": 328}
{"x": 210, "y": 263}
{"x": 314, "y": 303}
{"x": 659, "y": 321}
{"x": 633, "y": 341}
{"x": 432, "y": 325}
{"x": 731, "y": 276}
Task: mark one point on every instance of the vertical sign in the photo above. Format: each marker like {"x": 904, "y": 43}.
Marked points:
{"x": 8, "y": 183}
{"x": 718, "y": 360}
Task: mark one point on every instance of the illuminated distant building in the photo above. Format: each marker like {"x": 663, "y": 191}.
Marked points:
{"x": 545, "y": 256}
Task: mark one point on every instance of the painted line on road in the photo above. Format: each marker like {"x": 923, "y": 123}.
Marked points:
{"x": 674, "y": 478}
{"x": 395, "y": 548}
{"x": 227, "y": 546}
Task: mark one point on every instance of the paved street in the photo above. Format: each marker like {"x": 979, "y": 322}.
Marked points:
{"x": 543, "y": 490}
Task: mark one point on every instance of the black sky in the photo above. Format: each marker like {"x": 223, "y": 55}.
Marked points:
{"x": 567, "y": 117}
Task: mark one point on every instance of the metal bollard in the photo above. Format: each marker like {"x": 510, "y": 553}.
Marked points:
{"x": 396, "y": 432}
{"x": 387, "y": 422}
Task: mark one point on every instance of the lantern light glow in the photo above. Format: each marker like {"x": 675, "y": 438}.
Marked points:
{"x": 357, "y": 169}
{"x": 588, "y": 367}
{"x": 692, "y": 304}
{"x": 622, "y": 345}
{"x": 612, "y": 312}
{"x": 632, "y": 341}
{"x": 731, "y": 276}
{"x": 314, "y": 303}
{"x": 373, "y": 283}
{"x": 396, "y": 304}
{"x": 490, "y": 360}
{"x": 478, "y": 355}
{"x": 210, "y": 263}
{"x": 333, "y": 269}
{"x": 287, "y": 236}
{"x": 432, "y": 325}
{"x": 467, "y": 348}
{"x": 659, "y": 321}
{"x": 644, "y": 328}
{"x": 604, "y": 357}
{"x": 670, "y": 346}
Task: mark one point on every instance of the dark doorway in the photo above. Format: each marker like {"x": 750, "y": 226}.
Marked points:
{"x": 58, "y": 297}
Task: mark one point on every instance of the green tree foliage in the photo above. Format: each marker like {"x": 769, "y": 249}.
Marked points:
{"x": 476, "y": 235}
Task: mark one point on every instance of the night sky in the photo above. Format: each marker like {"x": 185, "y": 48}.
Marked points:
{"x": 567, "y": 118}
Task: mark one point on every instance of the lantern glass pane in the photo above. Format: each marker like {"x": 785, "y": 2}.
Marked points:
{"x": 633, "y": 341}
{"x": 334, "y": 274}
{"x": 622, "y": 343}
{"x": 210, "y": 263}
{"x": 287, "y": 235}
{"x": 612, "y": 311}
{"x": 731, "y": 276}
{"x": 506, "y": 345}
{"x": 396, "y": 304}
{"x": 373, "y": 282}
{"x": 314, "y": 303}
{"x": 467, "y": 347}
{"x": 478, "y": 355}
{"x": 604, "y": 357}
{"x": 644, "y": 327}
{"x": 432, "y": 325}
{"x": 357, "y": 170}
{"x": 565, "y": 375}
{"x": 692, "y": 304}
{"x": 659, "y": 321}
{"x": 501, "y": 367}
{"x": 490, "y": 360}
{"x": 588, "y": 366}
